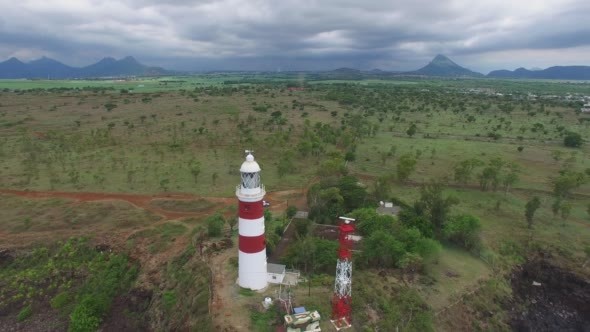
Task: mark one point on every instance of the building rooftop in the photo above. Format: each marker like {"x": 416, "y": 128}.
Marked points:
{"x": 275, "y": 268}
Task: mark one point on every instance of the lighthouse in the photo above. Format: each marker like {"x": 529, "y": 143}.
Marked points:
{"x": 252, "y": 244}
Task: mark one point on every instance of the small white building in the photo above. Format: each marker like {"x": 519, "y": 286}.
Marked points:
{"x": 586, "y": 108}
{"x": 275, "y": 273}
{"x": 388, "y": 208}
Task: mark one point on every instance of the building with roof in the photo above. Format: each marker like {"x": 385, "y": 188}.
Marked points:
{"x": 275, "y": 273}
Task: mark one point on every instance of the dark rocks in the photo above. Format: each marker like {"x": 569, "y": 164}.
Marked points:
{"x": 560, "y": 303}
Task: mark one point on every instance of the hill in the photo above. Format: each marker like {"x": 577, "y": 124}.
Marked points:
{"x": 50, "y": 68}
{"x": 556, "y": 72}
{"x": 444, "y": 67}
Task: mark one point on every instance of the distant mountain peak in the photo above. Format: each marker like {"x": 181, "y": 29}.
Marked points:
{"x": 445, "y": 67}
{"x": 440, "y": 57}
{"x": 14, "y": 60}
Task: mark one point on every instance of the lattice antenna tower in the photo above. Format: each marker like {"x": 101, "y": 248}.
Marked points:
{"x": 342, "y": 299}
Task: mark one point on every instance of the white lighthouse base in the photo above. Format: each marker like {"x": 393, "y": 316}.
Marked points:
{"x": 252, "y": 272}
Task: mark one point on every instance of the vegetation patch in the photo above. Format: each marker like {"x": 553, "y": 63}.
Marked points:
{"x": 71, "y": 277}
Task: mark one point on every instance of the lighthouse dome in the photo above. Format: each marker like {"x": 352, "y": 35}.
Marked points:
{"x": 250, "y": 165}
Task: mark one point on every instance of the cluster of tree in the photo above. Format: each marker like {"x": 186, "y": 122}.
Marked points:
{"x": 390, "y": 243}
{"x": 563, "y": 186}
{"x": 431, "y": 215}
{"x": 497, "y": 173}
{"x": 334, "y": 196}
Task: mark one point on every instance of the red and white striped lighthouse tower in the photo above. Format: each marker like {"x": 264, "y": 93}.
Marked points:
{"x": 252, "y": 244}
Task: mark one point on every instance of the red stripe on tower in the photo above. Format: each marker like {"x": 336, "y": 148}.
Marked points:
{"x": 252, "y": 244}
{"x": 251, "y": 210}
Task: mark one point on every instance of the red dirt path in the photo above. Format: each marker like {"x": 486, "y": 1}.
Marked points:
{"x": 277, "y": 198}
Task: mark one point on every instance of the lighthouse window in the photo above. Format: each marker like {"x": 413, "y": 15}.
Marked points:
{"x": 250, "y": 180}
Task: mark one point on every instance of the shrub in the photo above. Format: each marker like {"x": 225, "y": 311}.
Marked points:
{"x": 572, "y": 140}
{"x": 215, "y": 225}
{"x": 83, "y": 319}
{"x": 291, "y": 211}
{"x": 169, "y": 299}
{"x": 25, "y": 313}
{"x": 60, "y": 300}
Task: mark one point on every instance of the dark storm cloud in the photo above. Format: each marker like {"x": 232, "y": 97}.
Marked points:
{"x": 289, "y": 34}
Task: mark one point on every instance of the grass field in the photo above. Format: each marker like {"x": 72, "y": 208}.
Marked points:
{"x": 187, "y": 135}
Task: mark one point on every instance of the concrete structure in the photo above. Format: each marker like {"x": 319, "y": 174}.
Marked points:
{"x": 388, "y": 208}
{"x": 586, "y": 108}
{"x": 275, "y": 273}
{"x": 252, "y": 269}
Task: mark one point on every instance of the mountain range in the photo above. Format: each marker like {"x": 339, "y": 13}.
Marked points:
{"x": 440, "y": 66}
{"x": 555, "y": 73}
{"x": 53, "y": 69}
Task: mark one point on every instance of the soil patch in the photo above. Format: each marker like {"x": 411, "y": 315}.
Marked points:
{"x": 193, "y": 205}
{"x": 549, "y": 298}
{"x": 127, "y": 312}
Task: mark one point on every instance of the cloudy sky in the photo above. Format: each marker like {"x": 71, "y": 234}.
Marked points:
{"x": 299, "y": 34}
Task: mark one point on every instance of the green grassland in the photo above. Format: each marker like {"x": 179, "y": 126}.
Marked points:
{"x": 187, "y": 134}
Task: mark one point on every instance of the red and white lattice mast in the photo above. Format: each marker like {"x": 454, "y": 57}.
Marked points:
{"x": 252, "y": 244}
{"x": 342, "y": 300}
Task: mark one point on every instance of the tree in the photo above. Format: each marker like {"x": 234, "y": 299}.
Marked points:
{"x": 510, "y": 177}
{"x": 325, "y": 203}
{"x": 490, "y": 175}
{"x": 110, "y": 106}
{"x": 214, "y": 177}
{"x": 572, "y": 140}
{"x": 555, "y": 207}
{"x": 381, "y": 188}
{"x": 195, "y": 169}
{"x": 332, "y": 167}
{"x": 285, "y": 164}
{"x": 464, "y": 170}
{"x": 164, "y": 184}
{"x": 405, "y": 166}
{"x": 412, "y": 130}
{"x": 463, "y": 230}
{"x": 302, "y": 228}
{"x": 435, "y": 205}
{"x": 566, "y": 182}
{"x": 383, "y": 250}
{"x": 531, "y": 207}
{"x": 565, "y": 210}
{"x": 352, "y": 192}
{"x": 291, "y": 211}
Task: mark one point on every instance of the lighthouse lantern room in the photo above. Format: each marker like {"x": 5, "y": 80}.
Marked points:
{"x": 252, "y": 272}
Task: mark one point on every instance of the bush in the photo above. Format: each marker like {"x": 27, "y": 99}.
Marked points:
{"x": 83, "y": 319}
{"x": 291, "y": 211}
{"x": 25, "y": 313}
{"x": 572, "y": 140}
{"x": 60, "y": 300}
{"x": 215, "y": 225}
{"x": 169, "y": 299}
{"x": 464, "y": 230}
